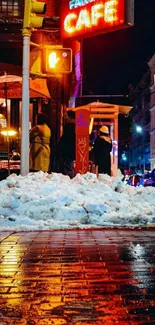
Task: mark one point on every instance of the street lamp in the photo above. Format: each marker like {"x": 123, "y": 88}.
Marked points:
{"x": 124, "y": 157}
{"x": 9, "y": 133}
{"x": 139, "y": 129}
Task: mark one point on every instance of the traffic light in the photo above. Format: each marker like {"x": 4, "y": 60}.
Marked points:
{"x": 56, "y": 60}
{"x": 31, "y": 19}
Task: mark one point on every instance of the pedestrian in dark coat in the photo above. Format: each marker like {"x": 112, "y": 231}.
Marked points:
{"x": 102, "y": 149}
{"x": 66, "y": 146}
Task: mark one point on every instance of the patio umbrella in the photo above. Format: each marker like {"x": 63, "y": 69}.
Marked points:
{"x": 11, "y": 87}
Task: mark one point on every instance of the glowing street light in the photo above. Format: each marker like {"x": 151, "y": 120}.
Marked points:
{"x": 139, "y": 129}
{"x": 8, "y": 133}
{"x": 124, "y": 158}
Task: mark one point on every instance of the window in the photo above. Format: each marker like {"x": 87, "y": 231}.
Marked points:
{"x": 11, "y": 8}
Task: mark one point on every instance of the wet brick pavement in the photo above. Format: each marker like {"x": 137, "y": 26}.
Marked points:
{"x": 78, "y": 277}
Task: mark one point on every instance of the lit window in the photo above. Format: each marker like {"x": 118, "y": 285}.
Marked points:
{"x": 11, "y": 8}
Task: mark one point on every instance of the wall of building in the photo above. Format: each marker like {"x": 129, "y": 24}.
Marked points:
{"x": 152, "y": 131}
{"x": 142, "y": 149}
{"x": 140, "y": 143}
{"x": 53, "y": 8}
{"x": 152, "y": 111}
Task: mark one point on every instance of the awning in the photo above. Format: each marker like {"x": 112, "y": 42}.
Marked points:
{"x": 100, "y": 107}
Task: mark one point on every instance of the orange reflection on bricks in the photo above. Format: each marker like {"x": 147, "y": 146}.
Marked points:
{"x": 78, "y": 277}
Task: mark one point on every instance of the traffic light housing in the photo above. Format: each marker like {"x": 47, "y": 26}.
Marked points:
{"x": 56, "y": 60}
{"x": 31, "y": 9}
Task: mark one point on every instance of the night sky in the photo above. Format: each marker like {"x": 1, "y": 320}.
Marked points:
{"x": 113, "y": 61}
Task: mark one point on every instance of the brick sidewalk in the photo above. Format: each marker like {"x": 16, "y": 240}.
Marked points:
{"x": 81, "y": 277}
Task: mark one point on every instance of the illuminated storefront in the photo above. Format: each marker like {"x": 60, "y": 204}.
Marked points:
{"x": 86, "y": 18}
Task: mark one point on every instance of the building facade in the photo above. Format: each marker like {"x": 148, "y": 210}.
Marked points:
{"x": 139, "y": 149}
{"x": 152, "y": 112}
{"x": 142, "y": 146}
{"x": 11, "y": 44}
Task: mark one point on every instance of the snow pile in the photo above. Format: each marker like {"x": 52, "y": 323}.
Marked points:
{"x": 53, "y": 201}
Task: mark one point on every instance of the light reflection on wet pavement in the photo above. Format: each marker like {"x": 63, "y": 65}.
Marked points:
{"x": 78, "y": 277}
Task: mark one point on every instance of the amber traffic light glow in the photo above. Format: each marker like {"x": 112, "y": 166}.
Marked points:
{"x": 57, "y": 60}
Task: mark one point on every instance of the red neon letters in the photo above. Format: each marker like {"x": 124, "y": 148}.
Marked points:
{"x": 80, "y": 17}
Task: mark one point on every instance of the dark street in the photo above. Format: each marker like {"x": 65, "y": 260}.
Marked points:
{"x": 80, "y": 277}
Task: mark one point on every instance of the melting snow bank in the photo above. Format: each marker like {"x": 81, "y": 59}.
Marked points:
{"x": 53, "y": 201}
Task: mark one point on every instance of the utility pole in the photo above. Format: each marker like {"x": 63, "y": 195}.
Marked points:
{"x": 31, "y": 21}
{"x": 25, "y": 104}
{"x": 53, "y": 62}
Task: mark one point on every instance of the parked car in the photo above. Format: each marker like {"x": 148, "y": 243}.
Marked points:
{"x": 135, "y": 180}
{"x": 149, "y": 178}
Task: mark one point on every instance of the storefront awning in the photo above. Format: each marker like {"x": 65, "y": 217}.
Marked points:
{"x": 100, "y": 107}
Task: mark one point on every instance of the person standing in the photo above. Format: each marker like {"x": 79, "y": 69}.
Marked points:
{"x": 40, "y": 136}
{"x": 102, "y": 149}
{"x": 66, "y": 146}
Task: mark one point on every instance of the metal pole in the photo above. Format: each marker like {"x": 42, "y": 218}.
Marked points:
{"x": 6, "y": 104}
{"x": 129, "y": 156}
{"x": 25, "y": 107}
{"x": 8, "y": 141}
{"x": 143, "y": 150}
{"x": 81, "y": 66}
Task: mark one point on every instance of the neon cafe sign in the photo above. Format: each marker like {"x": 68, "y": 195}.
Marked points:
{"x": 83, "y": 18}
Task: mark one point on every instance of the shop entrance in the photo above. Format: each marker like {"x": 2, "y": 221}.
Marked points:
{"x": 90, "y": 118}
